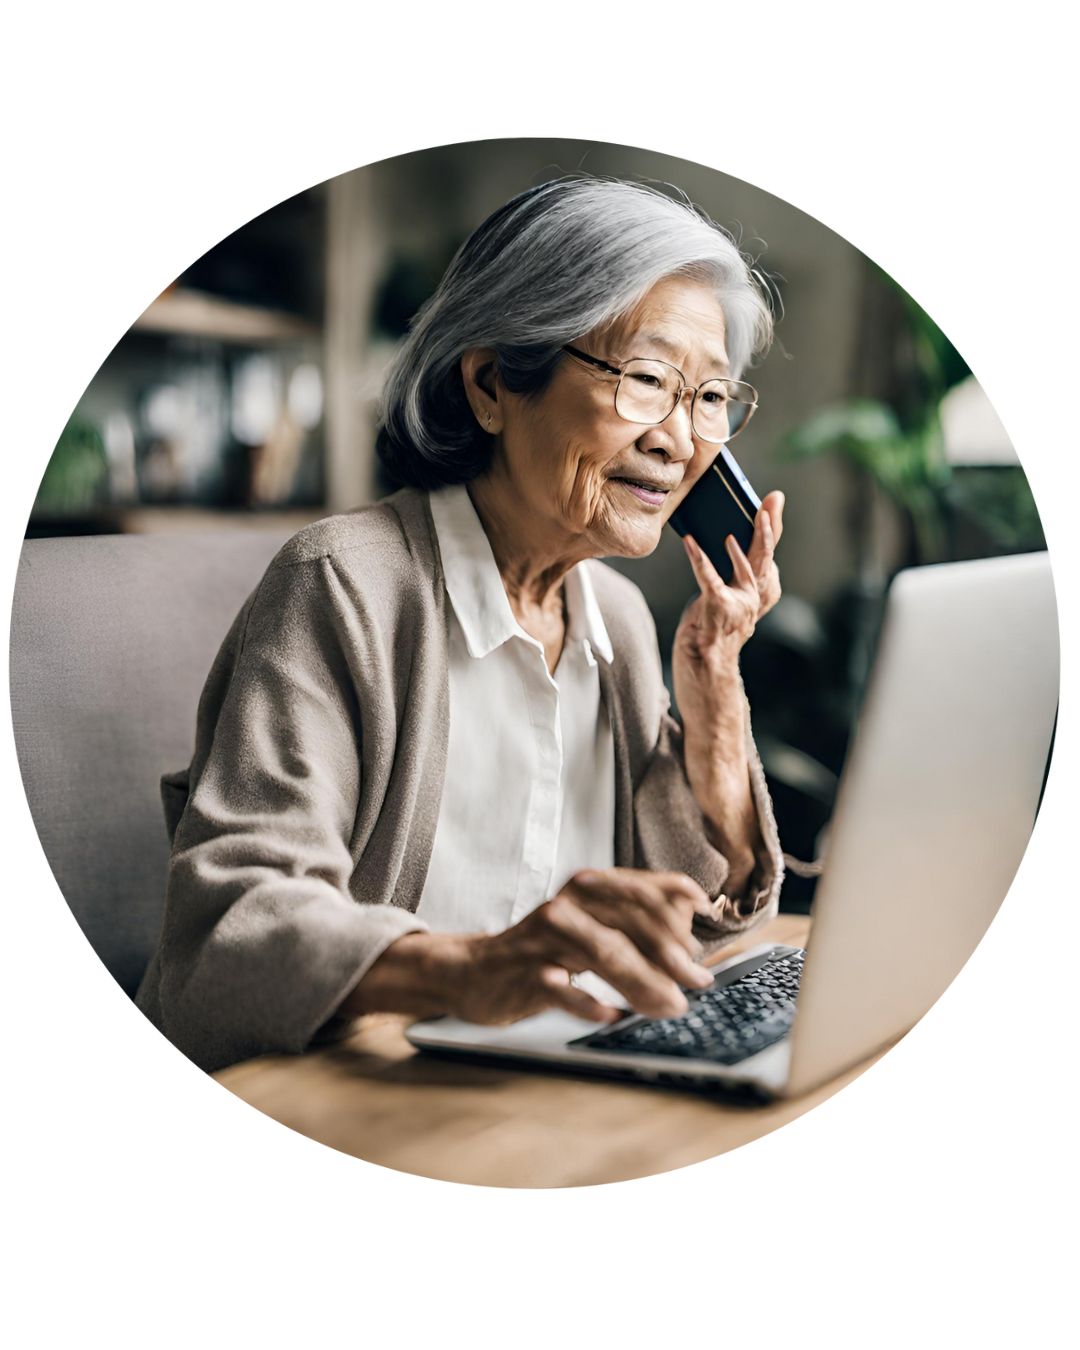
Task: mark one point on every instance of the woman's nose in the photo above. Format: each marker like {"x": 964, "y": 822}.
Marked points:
{"x": 679, "y": 427}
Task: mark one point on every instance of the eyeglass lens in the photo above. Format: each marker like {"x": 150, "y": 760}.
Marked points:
{"x": 648, "y": 391}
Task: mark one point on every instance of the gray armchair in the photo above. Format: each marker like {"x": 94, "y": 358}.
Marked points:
{"x": 111, "y": 640}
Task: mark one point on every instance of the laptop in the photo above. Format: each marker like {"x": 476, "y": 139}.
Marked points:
{"x": 935, "y": 808}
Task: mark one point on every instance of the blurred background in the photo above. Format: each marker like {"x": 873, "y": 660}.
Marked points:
{"x": 245, "y": 397}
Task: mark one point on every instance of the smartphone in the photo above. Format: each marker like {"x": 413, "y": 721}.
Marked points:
{"x": 720, "y": 503}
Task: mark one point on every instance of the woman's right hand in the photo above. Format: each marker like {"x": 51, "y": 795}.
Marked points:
{"x": 631, "y": 928}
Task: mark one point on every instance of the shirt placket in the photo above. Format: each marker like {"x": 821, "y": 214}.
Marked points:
{"x": 541, "y": 836}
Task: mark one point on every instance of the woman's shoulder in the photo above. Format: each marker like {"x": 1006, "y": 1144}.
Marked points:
{"x": 378, "y": 560}
{"x": 396, "y": 531}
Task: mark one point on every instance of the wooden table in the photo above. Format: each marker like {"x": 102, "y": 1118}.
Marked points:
{"x": 375, "y": 1097}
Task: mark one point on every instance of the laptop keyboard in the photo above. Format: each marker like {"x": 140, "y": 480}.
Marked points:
{"x": 724, "y": 1025}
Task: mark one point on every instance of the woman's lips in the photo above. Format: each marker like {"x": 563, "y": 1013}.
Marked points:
{"x": 654, "y": 496}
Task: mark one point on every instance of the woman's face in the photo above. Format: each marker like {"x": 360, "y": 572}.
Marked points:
{"x": 584, "y": 470}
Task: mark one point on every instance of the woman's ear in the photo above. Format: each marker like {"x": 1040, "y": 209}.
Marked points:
{"x": 480, "y": 375}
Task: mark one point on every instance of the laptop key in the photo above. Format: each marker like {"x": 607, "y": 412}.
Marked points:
{"x": 723, "y": 1025}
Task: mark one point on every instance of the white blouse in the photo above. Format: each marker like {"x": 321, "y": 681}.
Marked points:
{"x": 529, "y": 796}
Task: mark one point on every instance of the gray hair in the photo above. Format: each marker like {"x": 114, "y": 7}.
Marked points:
{"x": 552, "y": 264}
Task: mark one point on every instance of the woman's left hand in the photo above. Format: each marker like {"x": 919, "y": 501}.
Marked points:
{"x": 708, "y": 688}
{"x": 718, "y": 623}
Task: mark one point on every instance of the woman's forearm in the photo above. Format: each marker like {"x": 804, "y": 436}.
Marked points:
{"x": 414, "y": 975}
{"x": 717, "y": 768}
{"x": 731, "y": 816}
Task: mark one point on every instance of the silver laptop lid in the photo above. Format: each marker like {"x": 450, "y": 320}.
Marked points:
{"x": 936, "y": 804}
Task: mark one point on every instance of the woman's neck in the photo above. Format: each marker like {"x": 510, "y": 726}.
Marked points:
{"x": 532, "y": 561}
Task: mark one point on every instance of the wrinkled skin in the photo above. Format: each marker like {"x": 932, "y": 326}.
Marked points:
{"x": 564, "y": 451}
{"x": 555, "y": 494}
{"x": 622, "y": 924}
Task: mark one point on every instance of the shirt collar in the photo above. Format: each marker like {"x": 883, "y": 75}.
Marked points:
{"x": 476, "y": 590}
{"x": 584, "y": 620}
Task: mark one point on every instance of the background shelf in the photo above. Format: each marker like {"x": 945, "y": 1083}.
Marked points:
{"x": 197, "y": 314}
{"x": 196, "y": 520}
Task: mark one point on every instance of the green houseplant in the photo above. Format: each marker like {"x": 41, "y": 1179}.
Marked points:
{"x": 75, "y": 481}
{"x": 891, "y": 432}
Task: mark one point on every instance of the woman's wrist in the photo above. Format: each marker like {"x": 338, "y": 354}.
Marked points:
{"x": 418, "y": 974}
{"x": 718, "y": 772}
{"x": 713, "y": 708}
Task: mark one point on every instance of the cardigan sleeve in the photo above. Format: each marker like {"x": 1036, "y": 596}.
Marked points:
{"x": 659, "y": 825}
{"x": 671, "y": 834}
{"x": 262, "y": 939}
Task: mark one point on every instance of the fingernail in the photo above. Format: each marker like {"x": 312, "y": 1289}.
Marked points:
{"x": 691, "y": 547}
{"x": 586, "y": 878}
{"x": 702, "y": 978}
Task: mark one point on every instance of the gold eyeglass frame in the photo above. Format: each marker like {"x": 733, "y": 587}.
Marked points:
{"x": 618, "y": 369}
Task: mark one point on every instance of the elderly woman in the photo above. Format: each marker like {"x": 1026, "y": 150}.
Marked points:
{"x": 435, "y": 770}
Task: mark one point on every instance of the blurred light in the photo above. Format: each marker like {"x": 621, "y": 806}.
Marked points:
{"x": 797, "y": 769}
{"x": 163, "y": 411}
{"x": 204, "y": 430}
{"x": 306, "y": 396}
{"x": 795, "y": 623}
{"x": 119, "y": 441}
{"x": 971, "y": 428}
{"x": 256, "y": 399}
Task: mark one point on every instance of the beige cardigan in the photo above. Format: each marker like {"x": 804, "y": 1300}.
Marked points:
{"x": 303, "y": 828}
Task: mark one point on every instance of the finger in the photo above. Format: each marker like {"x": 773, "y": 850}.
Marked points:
{"x": 587, "y": 944}
{"x": 671, "y": 949}
{"x": 770, "y": 592}
{"x": 563, "y": 994}
{"x": 672, "y": 888}
{"x": 678, "y": 883}
{"x": 763, "y": 528}
{"x": 745, "y": 579}
{"x": 713, "y": 589}
{"x": 774, "y": 504}
{"x": 762, "y": 545}
{"x": 659, "y": 926}
{"x": 706, "y": 575}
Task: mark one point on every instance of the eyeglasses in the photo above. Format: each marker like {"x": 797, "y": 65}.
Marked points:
{"x": 648, "y": 392}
